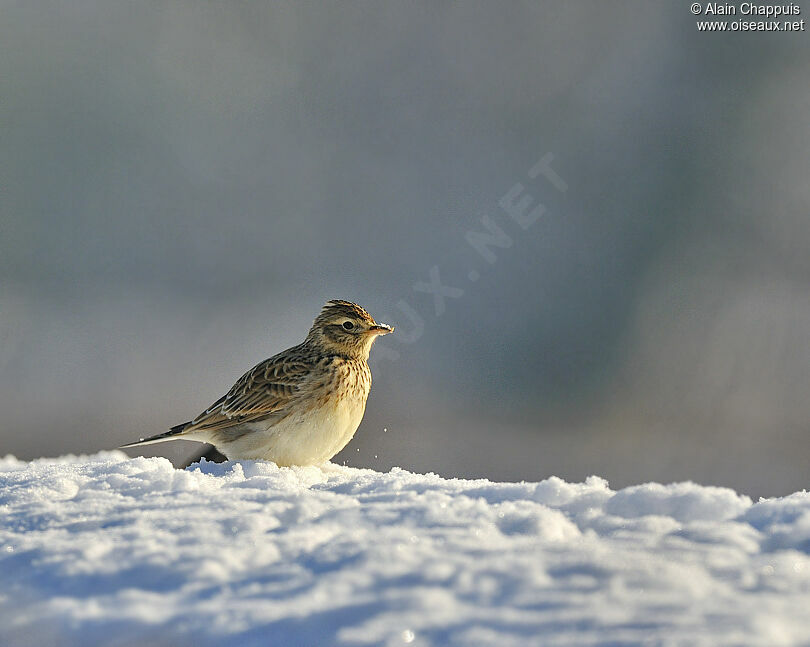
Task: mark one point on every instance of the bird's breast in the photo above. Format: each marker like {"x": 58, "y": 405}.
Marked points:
{"x": 313, "y": 436}
{"x": 316, "y": 427}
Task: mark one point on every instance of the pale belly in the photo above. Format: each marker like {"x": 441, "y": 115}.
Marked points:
{"x": 308, "y": 438}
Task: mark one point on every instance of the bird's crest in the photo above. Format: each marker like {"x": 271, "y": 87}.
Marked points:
{"x": 346, "y": 308}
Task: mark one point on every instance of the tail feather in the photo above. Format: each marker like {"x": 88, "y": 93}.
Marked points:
{"x": 172, "y": 434}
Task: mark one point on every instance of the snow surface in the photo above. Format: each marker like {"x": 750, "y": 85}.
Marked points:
{"x": 107, "y": 550}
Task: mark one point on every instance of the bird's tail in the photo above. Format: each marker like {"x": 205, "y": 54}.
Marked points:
{"x": 172, "y": 434}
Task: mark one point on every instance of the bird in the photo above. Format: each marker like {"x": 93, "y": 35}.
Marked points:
{"x": 299, "y": 407}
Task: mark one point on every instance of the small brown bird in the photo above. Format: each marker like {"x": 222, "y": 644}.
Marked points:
{"x": 300, "y": 407}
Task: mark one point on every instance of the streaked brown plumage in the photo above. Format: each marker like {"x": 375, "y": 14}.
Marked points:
{"x": 300, "y": 407}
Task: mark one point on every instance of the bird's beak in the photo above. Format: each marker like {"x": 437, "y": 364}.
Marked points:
{"x": 380, "y": 329}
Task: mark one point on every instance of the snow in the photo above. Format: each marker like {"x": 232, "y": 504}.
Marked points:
{"x": 107, "y": 550}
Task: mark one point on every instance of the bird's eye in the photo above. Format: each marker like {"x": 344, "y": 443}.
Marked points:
{"x": 348, "y": 325}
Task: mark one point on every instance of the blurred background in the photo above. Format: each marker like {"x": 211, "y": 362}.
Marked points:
{"x": 184, "y": 184}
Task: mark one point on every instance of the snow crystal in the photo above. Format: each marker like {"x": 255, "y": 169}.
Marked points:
{"x": 108, "y": 550}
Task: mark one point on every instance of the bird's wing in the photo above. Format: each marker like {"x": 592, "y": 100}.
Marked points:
{"x": 264, "y": 390}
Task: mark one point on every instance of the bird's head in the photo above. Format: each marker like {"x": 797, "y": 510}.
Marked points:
{"x": 344, "y": 328}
